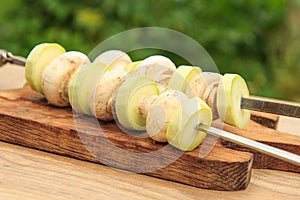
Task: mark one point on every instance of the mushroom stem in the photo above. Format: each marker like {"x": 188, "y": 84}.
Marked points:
{"x": 146, "y": 105}
{"x": 109, "y": 105}
{"x": 159, "y": 114}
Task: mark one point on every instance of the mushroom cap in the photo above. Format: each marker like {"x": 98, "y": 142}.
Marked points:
{"x": 55, "y": 77}
{"x": 115, "y": 59}
{"x": 158, "y": 67}
{"x": 163, "y": 108}
{"x": 100, "y": 101}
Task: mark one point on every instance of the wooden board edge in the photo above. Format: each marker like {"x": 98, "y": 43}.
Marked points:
{"x": 200, "y": 173}
{"x": 263, "y": 161}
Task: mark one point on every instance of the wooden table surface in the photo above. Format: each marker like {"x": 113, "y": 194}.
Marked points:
{"x": 31, "y": 174}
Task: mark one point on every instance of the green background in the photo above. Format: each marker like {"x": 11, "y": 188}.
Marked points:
{"x": 258, "y": 39}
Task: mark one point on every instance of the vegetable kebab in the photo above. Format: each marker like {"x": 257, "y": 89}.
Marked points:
{"x": 166, "y": 102}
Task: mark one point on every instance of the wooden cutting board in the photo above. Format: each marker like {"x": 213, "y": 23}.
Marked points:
{"x": 26, "y": 119}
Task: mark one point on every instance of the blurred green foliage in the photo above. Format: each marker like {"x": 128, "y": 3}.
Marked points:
{"x": 257, "y": 39}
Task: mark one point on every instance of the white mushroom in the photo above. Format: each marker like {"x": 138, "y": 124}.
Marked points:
{"x": 101, "y": 98}
{"x": 55, "y": 77}
{"x": 115, "y": 59}
{"x": 158, "y": 67}
{"x": 160, "y": 113}
{"x": 170, "y": 116}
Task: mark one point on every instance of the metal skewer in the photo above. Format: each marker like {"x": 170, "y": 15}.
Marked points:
{"x": 246, "y": 103}
{"x": 263, "y": 148}
{"x": 270, "y": 107}
{"x": 8, "y": 57}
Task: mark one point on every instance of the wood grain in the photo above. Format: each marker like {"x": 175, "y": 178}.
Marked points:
{"x": 30, "y": 174}
{"x": 26, "y": 119}
{"x": 266, "y": 119}
{"x": 268, "y": 136}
